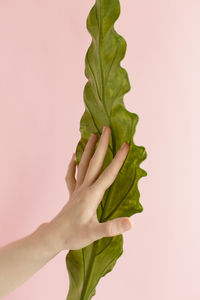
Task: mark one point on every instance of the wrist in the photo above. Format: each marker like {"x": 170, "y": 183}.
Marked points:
{"x": 44, "y": 235}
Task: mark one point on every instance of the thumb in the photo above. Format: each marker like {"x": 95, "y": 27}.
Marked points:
{"x": 114, "y": 227}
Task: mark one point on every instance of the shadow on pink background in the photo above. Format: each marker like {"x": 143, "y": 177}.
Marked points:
{"x": 42, "y": 51}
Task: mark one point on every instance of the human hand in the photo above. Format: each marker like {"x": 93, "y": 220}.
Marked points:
{"x": 77, "y": 225}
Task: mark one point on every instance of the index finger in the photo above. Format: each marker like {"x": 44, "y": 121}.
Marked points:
{"x": 110, "y": 173}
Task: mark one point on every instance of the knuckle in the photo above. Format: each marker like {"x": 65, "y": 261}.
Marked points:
{"x": 86, "y": 150}
{"x": 104, "y": 184}
{"x": 43, "y": 225}
{"x": 112, "y": 172}
{"x": 67, "y": 183}
{"x": 94, "y": 160}
{"x": 88, "y": 192}
{"x": 119, "y": 156}
{"x": 84, "y": 192}
{"x": 108, "y": 171}
{"x": 67, "y": 179}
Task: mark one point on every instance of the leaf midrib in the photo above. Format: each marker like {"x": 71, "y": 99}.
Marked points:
{"x": 92, "y": 256}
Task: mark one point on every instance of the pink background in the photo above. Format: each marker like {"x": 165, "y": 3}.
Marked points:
{"x": 43, "y": 46}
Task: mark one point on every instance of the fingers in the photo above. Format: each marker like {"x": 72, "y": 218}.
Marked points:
{"x": 110, "y": 173}
{"x": 113, "y": 227}
{"x": 85, "y": 158}
{"x": 97, "y": 160}
{"x": 70, "y": 176}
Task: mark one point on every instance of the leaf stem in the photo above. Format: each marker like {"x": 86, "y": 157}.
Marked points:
{"x": 88, "y": 273}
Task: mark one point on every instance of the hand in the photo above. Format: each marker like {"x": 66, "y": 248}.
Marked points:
{"x": 77, "y": 225}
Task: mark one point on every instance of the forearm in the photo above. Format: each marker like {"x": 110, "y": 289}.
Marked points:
{"x": 20, "y": 259}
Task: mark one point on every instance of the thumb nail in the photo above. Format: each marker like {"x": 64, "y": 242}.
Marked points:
{"x": 126, "y": 224}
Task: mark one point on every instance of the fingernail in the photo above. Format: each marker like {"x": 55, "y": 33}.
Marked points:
{"x": 92, "y": 136}
{"x": 124, "y": 145}
{"x": 104, "y": 129}
{"x": 74, "y": 156}
{"x": 126, "y": 225}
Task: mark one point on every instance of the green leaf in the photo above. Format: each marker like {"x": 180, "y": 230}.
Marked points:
{"x": 103, "y": 98}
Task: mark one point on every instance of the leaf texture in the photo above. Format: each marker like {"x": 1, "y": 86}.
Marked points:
{"x": 103, "y": 98}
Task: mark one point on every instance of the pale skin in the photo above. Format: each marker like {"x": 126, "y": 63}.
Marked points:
{"x": 76, "y": 225}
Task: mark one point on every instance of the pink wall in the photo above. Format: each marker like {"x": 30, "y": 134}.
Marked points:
{"x": 43, "y": 46}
